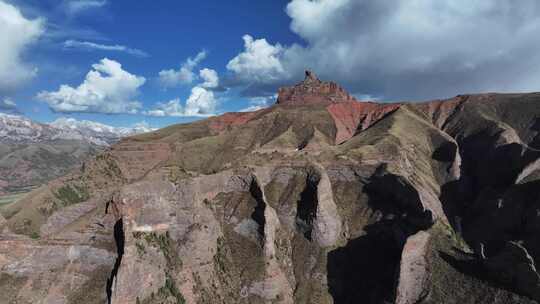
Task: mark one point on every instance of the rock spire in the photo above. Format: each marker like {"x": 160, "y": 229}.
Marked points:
{"x": 313, "y": 91}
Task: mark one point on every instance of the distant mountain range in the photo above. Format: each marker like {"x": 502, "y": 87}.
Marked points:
{"x": 19, "y": 129}
{"x": 32, "y": 153}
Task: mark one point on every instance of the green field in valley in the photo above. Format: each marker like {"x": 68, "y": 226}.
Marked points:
{"x": 13, "y": 197}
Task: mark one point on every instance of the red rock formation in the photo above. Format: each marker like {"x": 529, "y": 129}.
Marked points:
{"x": 441, "y": 110}
{"x": 351, "y": 117}
{"x": 222, "y": 122}
{"x": 313, "y": 91}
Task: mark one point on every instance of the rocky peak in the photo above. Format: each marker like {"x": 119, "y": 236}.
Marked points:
{"x": 311, "y": 78}
{"x": 313, "y": 91}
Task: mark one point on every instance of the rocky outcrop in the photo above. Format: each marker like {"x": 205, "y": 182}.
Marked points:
{"x": 327, "y": 223}
{"x": 59, "y": 221}
{"x": 56, "y": 271}
{"x": 139, "y": 158}
{"x": 413, "y": 270}
{"x": 313, "y": 91}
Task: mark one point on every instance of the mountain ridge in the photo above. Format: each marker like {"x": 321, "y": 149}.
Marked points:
{"x": 19, "y": 129}
{"x": 302, "y": 202}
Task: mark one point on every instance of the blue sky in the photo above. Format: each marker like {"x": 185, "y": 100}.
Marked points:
{"x": 163, "y": 62}
{"x": 168, "y": 33}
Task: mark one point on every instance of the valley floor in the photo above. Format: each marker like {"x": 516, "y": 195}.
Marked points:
{"x": 15, "y": 196}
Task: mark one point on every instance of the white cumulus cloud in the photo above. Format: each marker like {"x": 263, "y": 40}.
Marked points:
{"x": 185, "y": 75}
{"x": 210, "y": 78}
{"x": 200, "y": 103}
{"x": 259, "y": 62}
{"x": 260, "y": 102}
{"x": 16, "y": 34}
{"x": 402, "y": 49}
{"x": 107, "y": 88}
{"x": 87, "y": 45}
{"x": 170, "y": 108}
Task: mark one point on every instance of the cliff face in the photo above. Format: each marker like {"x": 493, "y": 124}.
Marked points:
{"x": 318, "y": 199}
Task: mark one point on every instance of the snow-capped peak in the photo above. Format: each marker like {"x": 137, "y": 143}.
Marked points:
{"x": 98, "y": 132}
{"x": 19, "y": 129}
{"x": 14, "y": 127}
{"x": 73, "y": 124}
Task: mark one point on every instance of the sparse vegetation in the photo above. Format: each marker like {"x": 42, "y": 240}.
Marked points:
{"x": 110, "y": 167}
{"x": 161, "y": 241}
{"x": 164, "y": 244}
{"x": 170, "y": 289}
{"x": 71, "y": 194}
{"x": 166, "y": 292}
{"x": 140, "y": 248}
{"x": 220, "y": 256}
{"x": 177, "y": 173}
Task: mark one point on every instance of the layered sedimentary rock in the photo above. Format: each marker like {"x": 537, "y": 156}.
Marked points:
{"x": 318, "y": 199}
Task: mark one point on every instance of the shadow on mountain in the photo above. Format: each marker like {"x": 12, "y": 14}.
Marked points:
{"x": 364, "y": 270}
{"x": 473, "y": 268}
{"x": 306, "y": 209}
